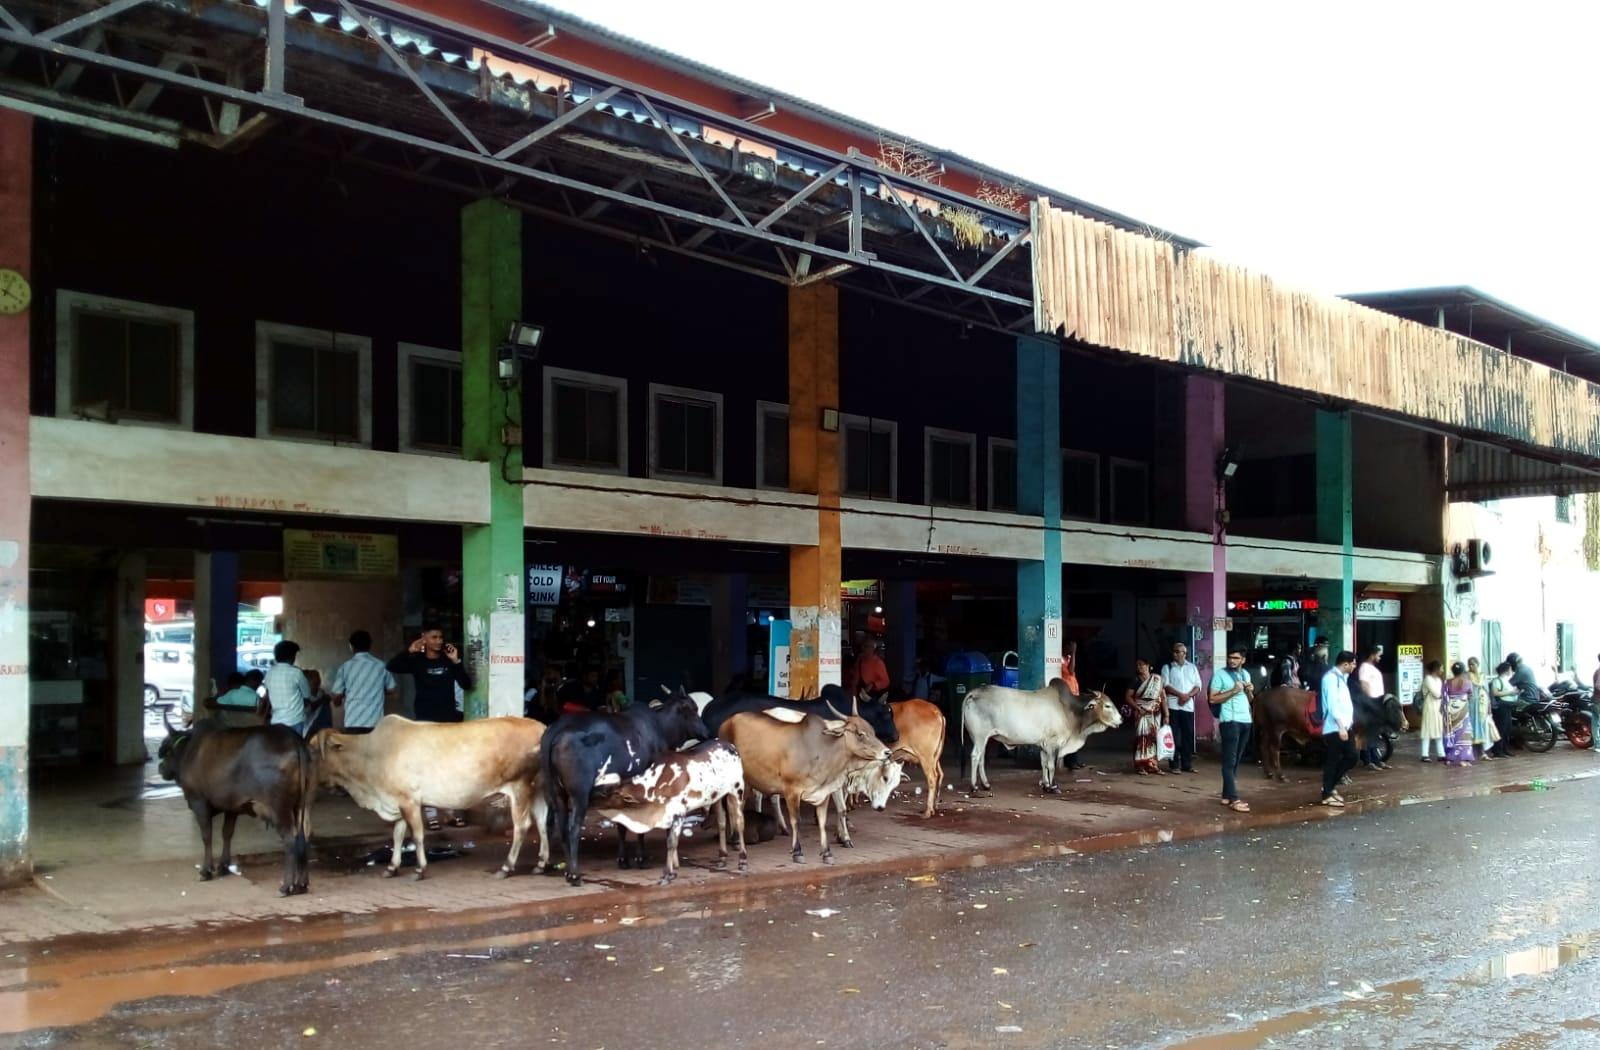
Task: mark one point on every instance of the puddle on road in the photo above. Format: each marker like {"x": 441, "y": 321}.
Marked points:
{"x": 1543, "y": 958}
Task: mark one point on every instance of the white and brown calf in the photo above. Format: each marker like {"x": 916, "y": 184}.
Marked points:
{"x": 708, "y": 775}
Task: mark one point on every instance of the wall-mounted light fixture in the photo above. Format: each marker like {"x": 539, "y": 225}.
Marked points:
{"x": 830, "y": 420}
{"x": 1227, "y": 465}
{"x": 521, "y": 344}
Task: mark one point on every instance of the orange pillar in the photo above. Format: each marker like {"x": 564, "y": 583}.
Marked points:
{"x": 815, "y": 640}
{"x": 16, "y": 230}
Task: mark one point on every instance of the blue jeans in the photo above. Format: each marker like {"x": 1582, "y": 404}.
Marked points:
{"x": 1234, "y": 737}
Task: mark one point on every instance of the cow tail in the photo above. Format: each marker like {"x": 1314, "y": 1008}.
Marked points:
{"x": 308, "y": 795}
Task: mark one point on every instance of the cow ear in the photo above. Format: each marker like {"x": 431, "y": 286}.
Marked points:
{"x": 833, "y": 727}
{"x": 656, "y": 705}
{"x": 900, "y": 754}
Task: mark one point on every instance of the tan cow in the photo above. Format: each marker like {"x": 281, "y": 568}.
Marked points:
{"x": 403, "y": 765}
{"x": 803, "y": 758}
{"x": 921, "y": 726}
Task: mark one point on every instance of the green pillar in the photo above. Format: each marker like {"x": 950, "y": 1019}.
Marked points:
{"x": 1335, "y": 476}
{"x": 491, "y": 555}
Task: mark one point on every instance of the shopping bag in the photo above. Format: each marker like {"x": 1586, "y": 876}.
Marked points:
{"x": 1165, "y": 748}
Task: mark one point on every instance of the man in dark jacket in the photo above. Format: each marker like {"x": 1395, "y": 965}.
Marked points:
{"x": 1314, "y": 669}
{"x": 435, "y": 667}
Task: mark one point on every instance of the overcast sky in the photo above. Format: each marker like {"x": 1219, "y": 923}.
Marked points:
{"x": 1342, "y": 147}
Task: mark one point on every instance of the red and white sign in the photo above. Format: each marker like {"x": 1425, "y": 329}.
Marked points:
{"x": 157, "y": 610}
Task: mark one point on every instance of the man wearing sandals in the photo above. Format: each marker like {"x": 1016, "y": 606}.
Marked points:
{"x": 1338, "y": 715}
{"x": 1231, "y": 687}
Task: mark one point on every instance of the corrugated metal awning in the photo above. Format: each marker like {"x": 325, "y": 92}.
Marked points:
{"x": 1479, "y": 472}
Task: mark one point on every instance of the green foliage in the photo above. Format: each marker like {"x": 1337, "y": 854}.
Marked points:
{"x": 1591, "y": 532}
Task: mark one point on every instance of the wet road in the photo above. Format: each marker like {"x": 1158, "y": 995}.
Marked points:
{"x": 1469, "y": 923}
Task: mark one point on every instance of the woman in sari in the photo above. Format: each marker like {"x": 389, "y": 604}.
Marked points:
{"x": 1149, "y": 702}
{"x": 1484, "y": 733}
{"x": 1459, "y": 702}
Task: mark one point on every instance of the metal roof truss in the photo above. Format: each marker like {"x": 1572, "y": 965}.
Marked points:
{"x": 378, "y": 85}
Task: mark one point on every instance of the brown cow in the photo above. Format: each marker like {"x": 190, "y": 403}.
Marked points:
{"x": 921, "y": 726}
{"x": 402, "y": 765}
{"x": 1285, "y": 711}
{"x": 262, "y": 771}
{"x": 803, "y": 758}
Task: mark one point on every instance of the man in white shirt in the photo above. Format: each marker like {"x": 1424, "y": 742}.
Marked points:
{"x": 1338, "y": 727}
{"x": 1180, "y": 679}
{"x": 1370, "y": 679}
{"x": 287, "y": 689}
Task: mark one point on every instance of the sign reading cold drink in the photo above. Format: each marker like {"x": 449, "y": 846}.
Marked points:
{"x": 544, "y": 584}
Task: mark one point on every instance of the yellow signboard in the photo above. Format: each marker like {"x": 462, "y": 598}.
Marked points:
{"x": 1408, "y": 650}
{"x": 315, "y": 554}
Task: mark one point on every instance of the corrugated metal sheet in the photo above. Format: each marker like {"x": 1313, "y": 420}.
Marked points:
{"x": 1479, "y": 472}
{"x": 1145, "y": 296}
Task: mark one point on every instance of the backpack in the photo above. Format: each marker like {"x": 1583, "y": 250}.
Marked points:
{"x": 1316, "y": 712}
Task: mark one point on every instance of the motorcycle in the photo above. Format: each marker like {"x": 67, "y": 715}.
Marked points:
{"x": 1573, "y": 702}
{"x": 1534, "y": 724}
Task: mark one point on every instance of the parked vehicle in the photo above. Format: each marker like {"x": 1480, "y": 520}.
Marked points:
{"x": 168, "y": 673}
{"x": 1573, "y": 701}
{"x": 1535, "y": 725}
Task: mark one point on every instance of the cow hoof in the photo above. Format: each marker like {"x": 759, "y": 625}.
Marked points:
{"x": 390, "y": 873}
{"x": 638, "y": 862}
{"x": 574, "y": 879}
{"x": 827, "y": 856}
{"x": 798, "y": 856}
{"x": 1050, "y": 789}
{"x": 744, "y": 862}
{"x": 847, "y": 844}
{"x": 206, "y": 874}
{"x": 504, "y": 873}
{"x": 720, "y": 864}
{"x": 225, "y": 868}
{"x": 622, "y": 863}
{"x": 418, "y": 875}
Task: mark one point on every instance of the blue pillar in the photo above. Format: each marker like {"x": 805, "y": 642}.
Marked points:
{"x": 1039, "y": 495}
{"x": 1335, "y": 526}
{"x": 900, "y": 607}
{"x": 222, "y": 611}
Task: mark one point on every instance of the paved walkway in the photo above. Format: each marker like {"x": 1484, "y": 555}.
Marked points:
{"x": 120, "y": 853}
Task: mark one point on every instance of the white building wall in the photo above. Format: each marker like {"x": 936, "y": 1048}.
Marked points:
{"x": 1539, "y": 580}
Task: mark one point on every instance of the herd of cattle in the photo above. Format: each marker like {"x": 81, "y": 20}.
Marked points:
{"x": 650, "y": 767}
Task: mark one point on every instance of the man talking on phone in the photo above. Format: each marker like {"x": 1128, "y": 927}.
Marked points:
{"x": 435, "y": 667}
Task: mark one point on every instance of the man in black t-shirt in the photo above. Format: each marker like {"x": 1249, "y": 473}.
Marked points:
{"x": 435, "y": 667}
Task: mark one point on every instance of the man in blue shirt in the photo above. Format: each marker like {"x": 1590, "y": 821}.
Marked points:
{"x": 1231, "y": 688}
{"x": 1338, "y": 727}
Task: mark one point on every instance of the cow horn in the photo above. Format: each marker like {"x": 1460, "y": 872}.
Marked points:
{"x": 829, "y": 705}
{"x": 664, "y": 690}
{"x": 855, "y": 706}
{"x": 166, "y": 718}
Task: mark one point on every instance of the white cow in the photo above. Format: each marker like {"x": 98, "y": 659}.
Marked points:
{"x": 663, "y": 796}
{"x": 1052, "y": 719}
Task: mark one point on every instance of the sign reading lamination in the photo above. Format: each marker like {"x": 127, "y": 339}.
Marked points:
{"x": 314, "y": 554}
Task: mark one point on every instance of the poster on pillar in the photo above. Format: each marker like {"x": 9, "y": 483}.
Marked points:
{"x": 830, "y": 650}
{"x": 778, "y": 658}
{"x": 1052, "y": 648}
{"x": 506, "y": 659}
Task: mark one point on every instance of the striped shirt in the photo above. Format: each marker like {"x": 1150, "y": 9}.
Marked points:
{"x": 362, "y": 680}
{"x": 287, "y": 692}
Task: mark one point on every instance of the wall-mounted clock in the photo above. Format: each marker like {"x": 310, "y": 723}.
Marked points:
{"x": 15, "y": 294}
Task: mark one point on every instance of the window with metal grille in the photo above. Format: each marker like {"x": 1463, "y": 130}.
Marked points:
{"x": 1002, "y": 474}
{"x": 315, "y": 384}
{"x": 685, "y": 433}
{"x": 772, "y": 445}
{"x": 430, "y": 400}
{"x": 1566, "y": 650}
{"x": 1080, "y": 485}
{"x": 869, "y": 457}
{"x": 1493, "y": 648}
{"x": 586, "y": 424}
{"x": 123, "y": 360}
{"x": 949, "y": 480}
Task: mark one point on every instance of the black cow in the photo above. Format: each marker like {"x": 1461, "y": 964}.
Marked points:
{"x": 582, "y": 754}
{"x": 878, "y": 713}
{"x": 261, "y": 771}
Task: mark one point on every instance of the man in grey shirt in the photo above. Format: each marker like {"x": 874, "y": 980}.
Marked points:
{"x": 362, "y": 686}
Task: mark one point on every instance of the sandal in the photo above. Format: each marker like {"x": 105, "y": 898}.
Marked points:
{"x": 433, "y": 825}
{"x": 1239, "y": 805}
{"x": 458, "y": 822}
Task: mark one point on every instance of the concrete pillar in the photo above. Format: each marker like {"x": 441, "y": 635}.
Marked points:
{"x": 900, "y": 608}
{"x": 127, "y": 647}
{"x": 1335, "y": 482}
{"x": 1039, "y": 495}
{"x": 492, "y": 555}
{"x": 1206, "y": 592}
{"x": 730, "y": 648}
{"x": 814, "y": 468}
{"x": 216, "y": 618}
{"x": 16, "y": 231}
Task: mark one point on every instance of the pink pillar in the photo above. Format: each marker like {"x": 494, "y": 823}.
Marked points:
{"x": 16, "y": 215}
{"x": 1206, "y": 591}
